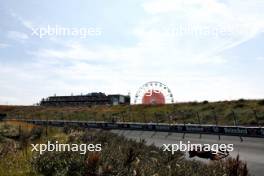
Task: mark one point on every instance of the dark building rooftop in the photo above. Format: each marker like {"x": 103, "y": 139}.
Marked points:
{"x": 95, "y": 98}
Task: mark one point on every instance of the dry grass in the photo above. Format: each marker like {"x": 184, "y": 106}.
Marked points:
{"x": 177, "y": 113}
{"x": 119, "y": 156}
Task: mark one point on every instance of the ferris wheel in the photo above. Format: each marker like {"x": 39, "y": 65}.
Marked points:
{"x": 153, "y": 93}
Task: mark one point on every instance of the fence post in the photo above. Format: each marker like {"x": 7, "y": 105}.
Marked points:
{"x": 169, "y": 116}
{"x": 236, "y": 124}
{"x": 199, "y": 121}
{"x": 46, "y": 126}
{"x": 216, "y": 124}
{"x": 129, "y": 113}
{"x": 256, "y": 116}
{"x": 123, "y": 116}
{"x": 156, "y": 118}
{"x": 183, "y": 116}
{"x": 144, "y": 116}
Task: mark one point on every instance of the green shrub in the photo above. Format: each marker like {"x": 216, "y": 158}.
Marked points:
{"x": 59, "y": 164}
{"x": 36, "y": 133}
{"x": 120, "y": 156}
{"x": 205, "y": 102}
{"x": 239, "y": 105}
{"x": 261, "y": 102}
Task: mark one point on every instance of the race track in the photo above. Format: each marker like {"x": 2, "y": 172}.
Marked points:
{"x": 250, "y": 149}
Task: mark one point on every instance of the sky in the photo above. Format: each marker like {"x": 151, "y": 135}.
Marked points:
{"x": 201, "y": 49}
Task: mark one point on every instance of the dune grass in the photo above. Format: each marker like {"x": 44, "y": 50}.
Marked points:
{"x": 244, "y": 111}
{"x": 119, "y": 156}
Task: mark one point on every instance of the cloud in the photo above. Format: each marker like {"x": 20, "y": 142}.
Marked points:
{"x": 238, "y": 24}
{"x": 16, "y": 35}
{"x": 26, "y": 23}
{"x": 74, "y": 52}
{"x": 260, "y": 58}
{"x": 4, "y": 45}
{"x": 181, "y": 43}
{"x": 5, "y": 100}
{"x": 166, "y": 6}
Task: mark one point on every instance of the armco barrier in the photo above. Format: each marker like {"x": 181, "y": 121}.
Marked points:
{"x": 241, "y": 131}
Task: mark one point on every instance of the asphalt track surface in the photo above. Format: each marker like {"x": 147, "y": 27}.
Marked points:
{"x": 250, "y": 149}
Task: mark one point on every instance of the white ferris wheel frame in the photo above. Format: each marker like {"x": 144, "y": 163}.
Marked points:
{"x": 156, "y": 87}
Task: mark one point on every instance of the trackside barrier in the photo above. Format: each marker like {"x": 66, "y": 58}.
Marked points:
{"x": 243, "y": 131}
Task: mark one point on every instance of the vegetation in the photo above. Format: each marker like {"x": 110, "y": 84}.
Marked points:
{"x": 119, "y": 156}
{"x": 244, "y": 111}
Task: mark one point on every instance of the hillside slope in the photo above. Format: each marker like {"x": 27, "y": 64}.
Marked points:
{"x": 224, "y": 111}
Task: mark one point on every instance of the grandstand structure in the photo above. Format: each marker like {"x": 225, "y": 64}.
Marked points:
{"x": 95, "y": 98}
{"x": 2, "y": 116}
